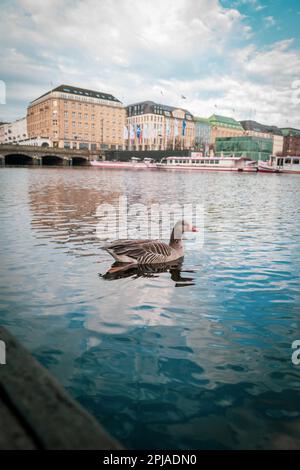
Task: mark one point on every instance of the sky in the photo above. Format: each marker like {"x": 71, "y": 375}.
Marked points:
{"x": 239, "y": 58}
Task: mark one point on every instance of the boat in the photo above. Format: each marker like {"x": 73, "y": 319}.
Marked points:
{"x": 196, "y": 162}
{"x": 134, "y": 164}
{"x": 280, "y": 164}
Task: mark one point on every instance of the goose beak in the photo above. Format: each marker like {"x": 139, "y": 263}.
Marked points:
{"x": 195, "y": 229}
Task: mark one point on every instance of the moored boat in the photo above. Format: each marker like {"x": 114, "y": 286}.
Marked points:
{"x": 133, "y": 164}
{"x": 279, "y": 164}
{"x": 195, "y": 162}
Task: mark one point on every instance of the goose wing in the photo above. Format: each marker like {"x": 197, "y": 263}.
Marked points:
{"x": 143, "y": 251}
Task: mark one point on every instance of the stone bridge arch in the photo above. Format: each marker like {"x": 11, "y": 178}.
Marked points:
{"x": 18, "y": 158}
{"x": 53, "y": 159}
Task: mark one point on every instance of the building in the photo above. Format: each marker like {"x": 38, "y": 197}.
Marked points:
{"x": 290, "y": 131}
{"x": 291, "y": 145}
{"x": 37, "y": 141}
{"x": 153, "y": 126}
{"x": 3, "y": 131}
{"x": 256, "y": 148}
{"x": 202, "y": 134}
{"x": 278, "y": 141}
{"x": 223, "y": 126}
{"x": 13, "y": 132}
{"x": 255, "y": 129}
{"x": 72, "y": 117}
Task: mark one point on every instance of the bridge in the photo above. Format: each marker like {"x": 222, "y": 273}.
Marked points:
{"x": 12, "y": 154}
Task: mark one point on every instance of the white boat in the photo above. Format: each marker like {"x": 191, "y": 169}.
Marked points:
{"x": 200, "y": 163}
{"x": 280, "y": 165}
{"x": 133, "y": 164}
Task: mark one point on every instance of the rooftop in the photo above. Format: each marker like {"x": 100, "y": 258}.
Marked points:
{"x": 201, "y": 119}
{"x": 147, "y": 107}
{"x": 216, "y": 119}
{"x": 257, "y": 127}
{"x": 290, "y": 131}
{"x": 80, "y": 92}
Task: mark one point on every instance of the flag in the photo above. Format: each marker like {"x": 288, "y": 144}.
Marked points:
{"x": 138, "y": 131}
{"x": 175, "y": 128}
{"x": 131, "y": 132}
{"x": 168, "y": 128}
{"x": 146, "y": 130}
{"x": 183, "y": 127}
{"x": 125, "y": 133}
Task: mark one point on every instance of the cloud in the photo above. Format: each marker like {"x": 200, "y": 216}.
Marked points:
{"x": 270, "y": 21}
{"x": 136, "y": 49}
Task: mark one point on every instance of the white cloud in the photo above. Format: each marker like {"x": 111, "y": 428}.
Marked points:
{"x": 137, "y": 49}
{"x": 270, "y": 21}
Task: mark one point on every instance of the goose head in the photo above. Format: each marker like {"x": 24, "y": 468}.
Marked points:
{"x": 180, "y": 228}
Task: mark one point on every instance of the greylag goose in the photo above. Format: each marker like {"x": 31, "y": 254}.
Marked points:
{"x": 151, "y": 251}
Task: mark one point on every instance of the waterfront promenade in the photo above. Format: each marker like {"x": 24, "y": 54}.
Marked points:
{"x": 37, "y": 413}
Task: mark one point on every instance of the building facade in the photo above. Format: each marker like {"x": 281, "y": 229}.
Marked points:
{"x": 255, "y": 129}
{"x": 3, "y": 131}
{"x": 78, "y": 118}
{"x": 202, "y": 134}
{"x": 291, "y": 145}
{"x": 13, "y": 132}
{"x": 153, "y": 126}
{"x": 256, "y": 148}
{"x": 290, "y": 131}
{"x": 223, "y": 126}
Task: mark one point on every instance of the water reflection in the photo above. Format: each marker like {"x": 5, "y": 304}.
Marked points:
{"x": 121, "y": 270}
{"x": 207, "y": 366}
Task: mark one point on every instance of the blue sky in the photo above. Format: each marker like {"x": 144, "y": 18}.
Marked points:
{"x": 235, "y": 57}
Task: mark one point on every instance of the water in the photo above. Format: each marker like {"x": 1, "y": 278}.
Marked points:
{"x": 196, "y": 358}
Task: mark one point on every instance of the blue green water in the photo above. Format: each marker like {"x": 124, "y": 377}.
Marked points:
{"x": 200, "y": 363}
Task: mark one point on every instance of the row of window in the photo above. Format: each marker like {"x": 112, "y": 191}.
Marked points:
{"x": 293, "y": 161}
{"x": 209, "y": 161}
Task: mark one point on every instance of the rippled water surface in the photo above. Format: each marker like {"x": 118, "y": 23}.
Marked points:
{"x": 197, "y": 358}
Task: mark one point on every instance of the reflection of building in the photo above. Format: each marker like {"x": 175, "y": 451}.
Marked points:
{"x": 257, "y": 148}
{"x": 152, "y": 126}
{"x": 13, "y": 132}
{"x": 223, "y": 126}
{"x": 255, "y": 129}
{"x": 74, "y": 117}
{"x": 202, "y": 133}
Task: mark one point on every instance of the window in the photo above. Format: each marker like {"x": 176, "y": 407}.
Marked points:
{"x": 288, "y": 160}
{"x": 296, "y": 161}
